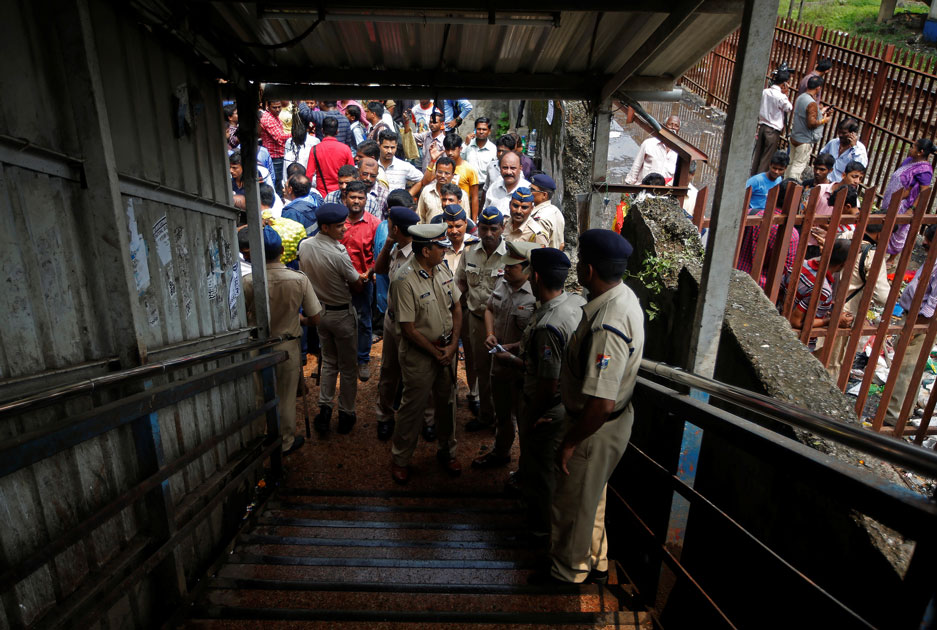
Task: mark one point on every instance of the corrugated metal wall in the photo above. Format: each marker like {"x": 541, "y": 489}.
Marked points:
{"x": 56, "y": 308}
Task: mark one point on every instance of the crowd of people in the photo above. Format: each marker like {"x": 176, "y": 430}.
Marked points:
{"x": 837, "y": 173}
{"x": 382, "y": 213}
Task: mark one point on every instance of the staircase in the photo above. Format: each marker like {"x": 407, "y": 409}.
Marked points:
{"x": 382, "y": 559}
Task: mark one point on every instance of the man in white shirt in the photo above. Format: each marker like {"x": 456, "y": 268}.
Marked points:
{"x": 654, "y": 156}
{"x": 512, "y": 178}
{"x": 845, "y": 148}
{"x": 771, "y": 120}
{"x": 396, "y": 172}
{"x": 480, "y": 152}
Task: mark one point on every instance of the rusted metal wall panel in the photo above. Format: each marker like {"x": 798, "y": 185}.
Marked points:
{"x": 56, "y": 308}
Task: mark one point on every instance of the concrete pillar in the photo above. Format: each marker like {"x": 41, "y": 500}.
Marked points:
{"x": 598, "y": 208}
{"x": 757, "y": 34}
{"x": 930, "y": 26}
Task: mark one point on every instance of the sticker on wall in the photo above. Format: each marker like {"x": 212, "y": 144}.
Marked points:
{"x": 138, "y": 261}
{"x": 161, "y": 238}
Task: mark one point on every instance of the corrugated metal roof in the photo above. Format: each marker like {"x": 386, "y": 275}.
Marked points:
{"x": 526, "y": 48}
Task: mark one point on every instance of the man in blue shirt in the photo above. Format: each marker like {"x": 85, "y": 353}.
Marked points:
{"x": 763, "y": 182}
{"x": 845, "y": 148}
{"x": 455, "y": 111}
{"x": 329, "y": 109}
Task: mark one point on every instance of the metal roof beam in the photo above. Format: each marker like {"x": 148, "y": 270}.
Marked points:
{"x": 670, "y": 29}
{"x": 296, "y": 91}
{"x": 297, "y": 7}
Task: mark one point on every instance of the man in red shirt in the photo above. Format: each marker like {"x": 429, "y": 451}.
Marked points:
{"x": 327, "y": 157}
{"x": 361, "y": 227}
{"x": 273, "y": 136}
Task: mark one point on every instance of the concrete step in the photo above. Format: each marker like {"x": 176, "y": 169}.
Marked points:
{"x": 350, "y": 548}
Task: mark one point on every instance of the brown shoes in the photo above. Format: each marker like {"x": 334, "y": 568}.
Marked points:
{"x": 449, "y": 463}
{"x": 400, "y": 474}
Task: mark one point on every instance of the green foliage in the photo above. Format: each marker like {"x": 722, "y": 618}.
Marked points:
{"x": 504, "y": 123}
{"x": 653, "y": 272}
{"x": 857, "y": 17}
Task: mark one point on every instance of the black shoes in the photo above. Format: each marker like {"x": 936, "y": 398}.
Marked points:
{"x": 491, "y": 460}
{"x": 323, "y": 420}
{"x": 473, "y": 405}
{"x": 429, "y": 432}
{"x": 385, "y": 430}
{"x": 298, "y": 442}
{"x": 346, "y": 421}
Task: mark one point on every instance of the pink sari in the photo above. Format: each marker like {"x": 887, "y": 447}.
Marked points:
{"x": 910, "y": 175}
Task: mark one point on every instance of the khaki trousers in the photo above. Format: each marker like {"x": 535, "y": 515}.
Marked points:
{"x": 423, "y": 377}
{"x": 905, "y": 371}
{"x": 288, "y": 374}
{"x": 477, "y": 334}
{"x": 577, "y": 534}
{"x": 471, "y": 376}
{"x": 800, "y": 158}
{"x": 338, "y": 337}
{"x": 390, "y": 373}
{"x": 536, "y": 467}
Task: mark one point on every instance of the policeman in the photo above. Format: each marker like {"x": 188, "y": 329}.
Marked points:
{"x": 326, "y": 261}
{"x": 544, "y": 212}
{"x": 426, "y": 305}
{"x": 476, "y": 275}
{"x": 598, "y": 376}
{"x": 506, "y": 316}
{"x": 288, "y": 290}
{"x": 540, "y": 426}
{"x": 396, "y": 253}
{"x": 520, "y": 226}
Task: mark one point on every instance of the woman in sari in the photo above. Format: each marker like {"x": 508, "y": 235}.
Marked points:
{"x": 906, "y": 182}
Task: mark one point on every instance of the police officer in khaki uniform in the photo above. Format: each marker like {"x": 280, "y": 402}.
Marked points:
{"x": 288, "y": 290}
{"x": 540, "y": 426}
{"x": 478, "y": 271}
{"x": 544, "y": 212}
{"x": 426, "y": 305}
{"x": 506, "y": 316}
{"x": 325, "y": 260}
{"x": 598, "y": 377}
{"x": 520, "y": 225}
{"x": 396, "y": 253}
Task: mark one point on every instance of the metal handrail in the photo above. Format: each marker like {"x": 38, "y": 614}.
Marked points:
{"x": 897, "y": 452}
{"x": 86, "y": 386}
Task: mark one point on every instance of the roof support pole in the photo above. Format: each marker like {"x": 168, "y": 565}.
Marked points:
{"x": 247, "y": 133}
{"x": 598, "y": 204}
{"x": 757, "y": 33}
{"x": 104, "y": 220}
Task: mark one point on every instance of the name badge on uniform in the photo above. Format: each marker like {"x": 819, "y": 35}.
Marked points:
{"x": 424, "y": 295}
{"x": 423, "y": 273}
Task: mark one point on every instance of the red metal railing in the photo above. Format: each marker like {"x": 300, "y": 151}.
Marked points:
{"x": 892, "y": 93}
{"x": 845, "y": 341}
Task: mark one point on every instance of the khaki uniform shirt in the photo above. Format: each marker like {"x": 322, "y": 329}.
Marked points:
{"x": 425, "y": 300}
{"x": 328, "y": 265}
{"x": 453, "y": 257}
{"x": 530, "y": 230}
{"x": 288, "y": 290}
{"x": 544, "y": 341}
{"x": 399, "y": 257}
{"x": 551, "y": 219}
{"x": 477, "y": 274}
{"x": 604, "y": 354}
{"x": 512, "y": 310}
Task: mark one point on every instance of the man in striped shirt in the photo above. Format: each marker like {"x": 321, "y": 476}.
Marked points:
{"x": 273, "y": 136}
{"x": 806, "y": 285}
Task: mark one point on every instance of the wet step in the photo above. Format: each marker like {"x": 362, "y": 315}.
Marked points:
{"x": 289, "y": 618}
{"x": 420, "y": 597}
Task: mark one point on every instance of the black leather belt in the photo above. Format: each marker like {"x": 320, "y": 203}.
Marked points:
{"x": 336, "y": 307}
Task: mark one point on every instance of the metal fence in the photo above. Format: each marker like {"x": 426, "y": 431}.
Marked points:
{"x": 892, "y": 93}
{"x": 768, "y": 239}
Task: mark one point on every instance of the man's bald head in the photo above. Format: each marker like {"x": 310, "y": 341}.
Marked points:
{"x": 510, "y": 169}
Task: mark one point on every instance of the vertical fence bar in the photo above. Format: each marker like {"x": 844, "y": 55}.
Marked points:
{"x": 839, "y": 299}
{"x": 905, "y": 340}
{"x": 928, "y": 413}
{"x": 882, "y": 330}
{"x": 823, "y": 265}
{"x": 794, "y": 276}
{"x": 782, "y": 243}
{"x": 764, "y": 234}
{"x": 914, "y": 386}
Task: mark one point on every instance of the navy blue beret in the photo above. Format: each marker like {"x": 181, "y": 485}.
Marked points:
{"x": 402, "y": 216}
{"x": 490, "y": 216}
{"x": 599, "y": 244}
{"x": 272, "y": 240}
{"x": 453, "y": 212}
{"x": 545, "y": 258}
{"x": 543, "y": 181}
{"x": 329, "y": 213}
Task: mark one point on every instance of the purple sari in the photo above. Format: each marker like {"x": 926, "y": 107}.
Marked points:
{"x": 910, "y": 175}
